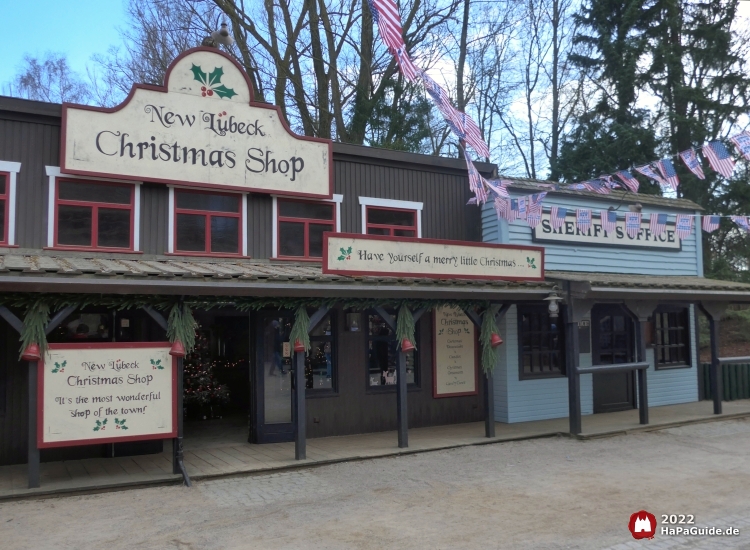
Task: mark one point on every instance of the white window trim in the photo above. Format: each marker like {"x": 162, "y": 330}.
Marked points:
{"x": 53, "y": 173}
{"x": 13, "y": 168}
{"x": 170, "y": 218}
{"x": 337, "y": 199}
{"x": 391, "y": 203}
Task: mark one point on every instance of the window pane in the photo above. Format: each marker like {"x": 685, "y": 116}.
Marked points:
{"x": 114, "y": 228}
{"x": 319, "y": 366}
{"x": 206, "y": 201}
{"x": 74, "y": 225}
{"x": 313, "y": 210}
{"x": 378, "y": 327}
{"x": 191, "y": 232}
{"x": 291, "y": 239}
{"x": 390, "y": 217}
{"x": 323, "y": 329}
{"x": 2, "y": 220}
{"x": 382, "y": 362}
{"x": 316, "y": 239}
{"x": 378, "y": 231}
{"x": 94, "y": 192}
{"x": 225, "y": 234}
{"x": 403, "y": 233}
{"x": 3, "y": 178}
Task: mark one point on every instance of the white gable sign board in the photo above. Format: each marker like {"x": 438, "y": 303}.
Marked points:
{"x": 203, "y": 129}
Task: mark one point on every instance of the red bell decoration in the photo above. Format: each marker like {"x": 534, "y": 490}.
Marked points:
{"x": 178, "y": 350}
{"x": 406, "y": 345}
{"x": 32, "y": 353}
{"x": 298, "y": 346}
{"x": 495, "y": 340}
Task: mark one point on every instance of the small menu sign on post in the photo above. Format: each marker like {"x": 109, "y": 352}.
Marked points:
{"x": 376, "y": 255}
{"x": 454, "y": 353}
{"x": 106, "y": 393}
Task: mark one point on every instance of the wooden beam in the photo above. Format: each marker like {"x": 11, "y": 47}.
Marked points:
{"x": 12, "y": 320}
{"x": 387, "y": 317}
{"x": 59, "y": 317}
{"x": 156, "y": 316}
{"x": 317, "y": 317}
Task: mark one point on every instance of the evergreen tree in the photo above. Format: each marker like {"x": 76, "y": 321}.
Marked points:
{"x": 400, "y": 119}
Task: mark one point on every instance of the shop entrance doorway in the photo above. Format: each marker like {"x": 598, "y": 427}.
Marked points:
{"x": 273, "y": 375}
{"x": 612, "y": 343}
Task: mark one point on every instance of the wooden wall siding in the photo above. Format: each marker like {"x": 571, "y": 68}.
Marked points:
{"x": 259, "y": 226}
{"x": 569, "y": 257}
{"x": 35, "y": 145}
{"x": 355, "y": 410}
{"x": 445, "y": 214}
{"x": 524, "y": 400}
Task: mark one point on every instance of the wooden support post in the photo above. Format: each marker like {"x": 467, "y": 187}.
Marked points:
{"x": 33, "y": 454}
{"x": 642, "y": 373}
{"x": 717, "y": 389}
{"x": 489, "y": 406}
{"x": 178, "y": 454}
{"x": 401, "y": 409}
{"x": 300, "y": 416}
{"x": 574, "y": 379}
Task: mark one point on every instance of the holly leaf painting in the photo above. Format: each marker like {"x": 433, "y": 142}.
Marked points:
{"x": 199, "y": 75}
{"x": 214, "y": 77}
{"x": 223, "y": 91}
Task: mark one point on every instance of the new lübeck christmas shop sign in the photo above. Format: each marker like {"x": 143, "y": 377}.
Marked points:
{"x": 202, "y": 129}
{"x": 354, "y": 254}
{"x": 102, "y": 393}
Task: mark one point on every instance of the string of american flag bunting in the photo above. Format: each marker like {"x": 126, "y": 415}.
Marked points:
{"x": 385, "y": 14}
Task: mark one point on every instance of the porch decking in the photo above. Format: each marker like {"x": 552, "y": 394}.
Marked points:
{"x": 216, "y": 450}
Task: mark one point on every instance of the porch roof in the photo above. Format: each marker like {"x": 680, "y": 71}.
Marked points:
{"x": 652, "y": 287}
{"x": 124, "y": 274}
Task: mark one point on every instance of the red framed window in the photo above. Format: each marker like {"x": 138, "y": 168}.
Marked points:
{"x": 94, "y": 215}
{"x": 300, "y": 228}
{"x": 4, "y": 206}
{"x": 207, "y": 223}
{"x": 396, "y": 222}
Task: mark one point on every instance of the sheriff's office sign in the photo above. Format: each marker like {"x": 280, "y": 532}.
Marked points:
{"x": 105, "y": 393}
{"x": 455, "y": 353}
{"x": 201, "y": 128}
{"x": 596, "y": 235}
{"x": 353, "y": 254}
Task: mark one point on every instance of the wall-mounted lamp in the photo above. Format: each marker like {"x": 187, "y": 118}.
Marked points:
{"x": 553, "y": 304}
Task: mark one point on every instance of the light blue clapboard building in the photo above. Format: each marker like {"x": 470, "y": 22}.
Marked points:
{"x": 530, "y": 381}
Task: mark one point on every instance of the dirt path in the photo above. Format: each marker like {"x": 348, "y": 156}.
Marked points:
{"x": 550, "y": 493}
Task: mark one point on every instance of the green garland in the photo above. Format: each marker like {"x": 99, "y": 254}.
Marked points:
{"x": 34, "y": 323}
{"x": 489, "y": 354}
{"x": 181, "y": 326}
{"x": 301, "y": 328}
{"x": 405, "y": 326}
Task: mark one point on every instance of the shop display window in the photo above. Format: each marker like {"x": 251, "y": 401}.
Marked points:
{"x": 94, "y": 215}
{"x": 301, "y": 225}
{"x": 541, "y": 343}
{"x": 382, "y": 354}
{"x": 394, "y": 222}
{"x": 320, "y": 360}
{"x": 4, "y": 205}
{"x": 672, "y": 337}
{"x": 207, "y": 223}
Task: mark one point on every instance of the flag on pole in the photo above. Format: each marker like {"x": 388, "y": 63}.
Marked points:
{"x": 629, "y": 180}
{"x": 684, "y": 225}
{"x": 385, "y": 14}
{"x": 742, "y": 143}
{"x": 666, "y": 168}
{"x": 609, "y": 220}
{"x": 691, "y": 160}
{"x": 632, "y": 224}
{"x": 711, "y": 223}
{"x": 583, "y": 219}
{"x": 649, "y": 172}
{"x": 657, "y": 224}
{"x": 719, "y": 158}
{"x": 557, "y": 216}
{"x": 742, "y": 222}
{"x": 597, "y": 186}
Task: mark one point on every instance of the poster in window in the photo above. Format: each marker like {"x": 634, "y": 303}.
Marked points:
{"x": 455, "y": 353}
{"x": 106, "y": 392}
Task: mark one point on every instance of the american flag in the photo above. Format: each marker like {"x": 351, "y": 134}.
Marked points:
{"x": 533, "y": 218}
{"x": 684, "y": 225}
{"x": 473, "y": 136}
{"x": 583, "y": 219}
{"x": 610, "y": 182}
{"x": 742, "y": 143}
{"x": 742, "y": 222}
{"x": 649, "y": 172}
{"x": 534, "y": 215}
{"x": 691, "y": 160}
{"x": 519, "y": 207}
{"x": 499, "y": 187}
{"x": 557, "y": 216}
{"x": 666, "y": 168}
{"x": 502, "y": 207}
{"x": 657, "y": 224}
{"x": 629, "y": 180}
{"x": 597, "y": 186}
{"x": 719, "y": 158}
{"x": 711, "y": 223}
{"x": 609, "y": 220}
{"x": 408, "y": 68}
{"x": 385, "y": 14}
{"x": 476, "y": 182}
{"x": 632, "y": 224}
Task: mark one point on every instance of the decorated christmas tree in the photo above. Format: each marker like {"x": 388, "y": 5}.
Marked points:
{"x": 201, "y": 388}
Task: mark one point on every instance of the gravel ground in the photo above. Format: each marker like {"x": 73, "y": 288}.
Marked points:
{"x": 542, "y": 494}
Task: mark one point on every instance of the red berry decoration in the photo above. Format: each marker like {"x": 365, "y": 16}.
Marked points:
{"x": 224, "y": 113}
{"x": 210, "y": 92}
{"x": 203, "y": 94}
{"x": 203, "y": 88}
